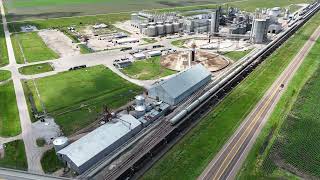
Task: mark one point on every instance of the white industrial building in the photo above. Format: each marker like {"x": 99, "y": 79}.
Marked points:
{"x": 88, "y": 150}
{"x": 176, "y": 89}
{"x": 126, "y": 40}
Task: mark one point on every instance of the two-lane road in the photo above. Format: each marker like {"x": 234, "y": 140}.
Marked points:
{"x": 228, "y": 161}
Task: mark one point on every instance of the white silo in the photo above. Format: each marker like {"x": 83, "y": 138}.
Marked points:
{"x": 152, "y": 23}
{"x": 160, "y": 23}
{"x": 160, "y": 29}
{"x": 140, "y": 110}
{"x": 151, "y": 31}
{"x": 60, "y": 142}
{"x": 169, "y": 28}
{"x": 139, "y": 100}
{"x": 176, "y": 27}
{"x": 142, "y": 26}
{"x": 259, "y": 31}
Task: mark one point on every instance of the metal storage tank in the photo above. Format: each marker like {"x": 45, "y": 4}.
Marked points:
{"x": 169, "y": 28}
{"x": 259, "y": 30}
{"x": 151, "y": 31}
{"x": 140, "y": 100}
{"x": 60, "y": 142}
{"x": 140, "y": 110}
{"x": 160, "y": 29}
{"x": 159, "y": 23}
{"x": 176, "y": 27}
{"x": 152, "y": 24}
{"x": 142, "y": 26}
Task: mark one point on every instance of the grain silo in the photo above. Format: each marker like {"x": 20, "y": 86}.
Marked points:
{"x": 60, "y": 142}
{"x": 160, "y": 29}
{"x": 151, "y": 31}
{"x": 169, "y": 28}
{"x": 176, "y": 27}
{"x": 214, "y": 28}
{"x": 259, "y": 31}
{"x": 142, "y": 26}
{"x": 140, "y": 100}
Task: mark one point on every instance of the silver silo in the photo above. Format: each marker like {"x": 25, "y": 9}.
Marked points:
{"x": 169, "y": 28}
{"x": 60, "y": 142}
{"x": 160, "y": 29}
{"x": 258, "y": 33}
{"x": 176, "y": 27}
{"x": 151, "y": 31}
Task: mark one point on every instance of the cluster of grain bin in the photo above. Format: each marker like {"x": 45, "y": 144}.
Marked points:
{"x": 160, "y": 28}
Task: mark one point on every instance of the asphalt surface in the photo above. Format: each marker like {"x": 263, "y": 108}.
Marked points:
{"x": 229, "y": 160}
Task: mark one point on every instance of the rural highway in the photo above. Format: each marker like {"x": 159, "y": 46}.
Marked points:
{"x": 228, "y": 161}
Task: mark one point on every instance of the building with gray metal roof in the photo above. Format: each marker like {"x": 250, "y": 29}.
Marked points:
{"x": 179, "y": 87}
{"x": 91, "y": 148}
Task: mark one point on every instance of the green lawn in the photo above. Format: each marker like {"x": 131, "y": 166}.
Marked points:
{"x": 296, "y": 109}
{"x": 4, "y": 75}
{"x": 192, "y": 154}
{"x": 32, "y": 46}
{"x": 149, "y": 40}
{"x": 180, "y": 43}
{"x": 15, "y": 157}
{"x": 237, "y": 55}
{"x": 50, "y": 162}
{"x": 147, "y": 69}
{"x": 84, "y": 49}
{"x": 36, "y": 69}
{"x": 9, "y": 115}
{"x": 74, "y": 98}
{"x": 40, "y": 142}
{"x": 70, "y": 35}
{"x": 4, "y": 59}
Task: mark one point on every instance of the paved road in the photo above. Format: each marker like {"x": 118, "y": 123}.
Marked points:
{"x": 228, "y": 161}
{"x": 32, "y": 152}
{"x": 10, "y": 174}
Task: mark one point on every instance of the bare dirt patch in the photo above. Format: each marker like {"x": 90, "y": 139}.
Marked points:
{"x": 180, "y": 61}
{"x": 59, "y": 42}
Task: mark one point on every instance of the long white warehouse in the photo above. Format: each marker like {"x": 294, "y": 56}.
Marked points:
{"x": 179, "y": 87}
{"x": 88, "y": 150}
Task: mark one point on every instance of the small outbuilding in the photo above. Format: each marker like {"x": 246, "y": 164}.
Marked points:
{"x": 176, "y": 89}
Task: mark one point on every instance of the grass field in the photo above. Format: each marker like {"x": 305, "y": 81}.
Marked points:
{"x": 190, "y": 156}
{"x": 31, "y": 47}
{"x": 237, "y": 55}
{"x": 149, "y": 40}
{"x": 15, "y": 157}
{"x": 22, "y": 10}
{"x": 4, "y": 75}
{"x": 36, "y": 69}
{"x": 19, "y": 10}
{"x": 50, "y": 162}
{"x": 85, "y": 49}
{"x": 9, "y": 115}
{"x": 296, "y": 109}
{"x": 74, "y": 98}
{"x": 180, "y": 43}
{"x": 28, "y": 13}
{"x": 4, "y": 59}
{"x": 147, "y": 69}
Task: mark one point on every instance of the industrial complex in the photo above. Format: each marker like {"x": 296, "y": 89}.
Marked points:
{"x": 191, "y": 72}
